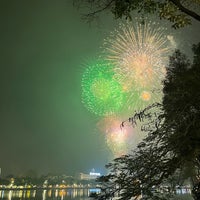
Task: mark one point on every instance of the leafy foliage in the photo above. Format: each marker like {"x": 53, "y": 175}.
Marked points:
{"x": 179, "y": 12}
{"x": 181, "y": 105}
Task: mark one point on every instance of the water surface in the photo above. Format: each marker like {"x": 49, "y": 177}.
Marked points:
{"x": 49, "y": 194}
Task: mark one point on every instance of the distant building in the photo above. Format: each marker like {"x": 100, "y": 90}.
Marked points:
{"x": 91, "y": 176}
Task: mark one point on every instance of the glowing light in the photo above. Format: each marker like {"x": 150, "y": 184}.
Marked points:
{"x": 119, "y": 140}
{"x": 145, "y": 96}
{"x": 116, "y": 141}
{"x": 95, "y": 174}
{"x": 139, "y": 54}
{"x": 101, "y": 93}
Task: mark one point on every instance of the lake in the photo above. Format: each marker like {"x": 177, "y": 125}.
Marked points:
{"x": 60, "y": 194}
{"x": 49, "y": 194}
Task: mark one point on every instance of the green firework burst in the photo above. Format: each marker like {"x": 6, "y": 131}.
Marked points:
{"x": 101, "y": 93}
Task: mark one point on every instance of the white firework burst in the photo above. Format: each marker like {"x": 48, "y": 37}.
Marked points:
{"x": 139, "y": 53}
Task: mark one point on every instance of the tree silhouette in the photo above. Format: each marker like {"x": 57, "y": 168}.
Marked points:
{"x": 179, "y": 12}
{"x": 171, "y": 149}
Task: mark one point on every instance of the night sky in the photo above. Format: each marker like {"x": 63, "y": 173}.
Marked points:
{"x": 43, "y": 124}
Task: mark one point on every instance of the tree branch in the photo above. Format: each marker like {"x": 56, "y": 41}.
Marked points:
{"x": 185, "y": 10}
{"x": 92, "y": 14}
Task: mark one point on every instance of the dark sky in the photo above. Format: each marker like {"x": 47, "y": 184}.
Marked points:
{"x": 43, "y": 124}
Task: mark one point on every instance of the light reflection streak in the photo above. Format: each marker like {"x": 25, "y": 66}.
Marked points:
{"x": 45, "y": 194}
{"x": 10, "y": 195}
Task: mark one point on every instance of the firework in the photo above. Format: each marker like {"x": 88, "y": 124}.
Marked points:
{"x": 117, "y": 143}
{"x": 101, "y": 93}
{"x": 139, "y": 53}
{"x": 119, "y": 140}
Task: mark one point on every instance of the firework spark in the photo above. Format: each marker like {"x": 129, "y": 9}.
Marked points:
{"x": 139, "y": 53}
{"x": 119, "y": 140}
{"x": 101, "y": 93}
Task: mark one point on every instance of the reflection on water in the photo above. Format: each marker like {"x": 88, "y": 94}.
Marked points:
{"x": 50, "y": 194}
